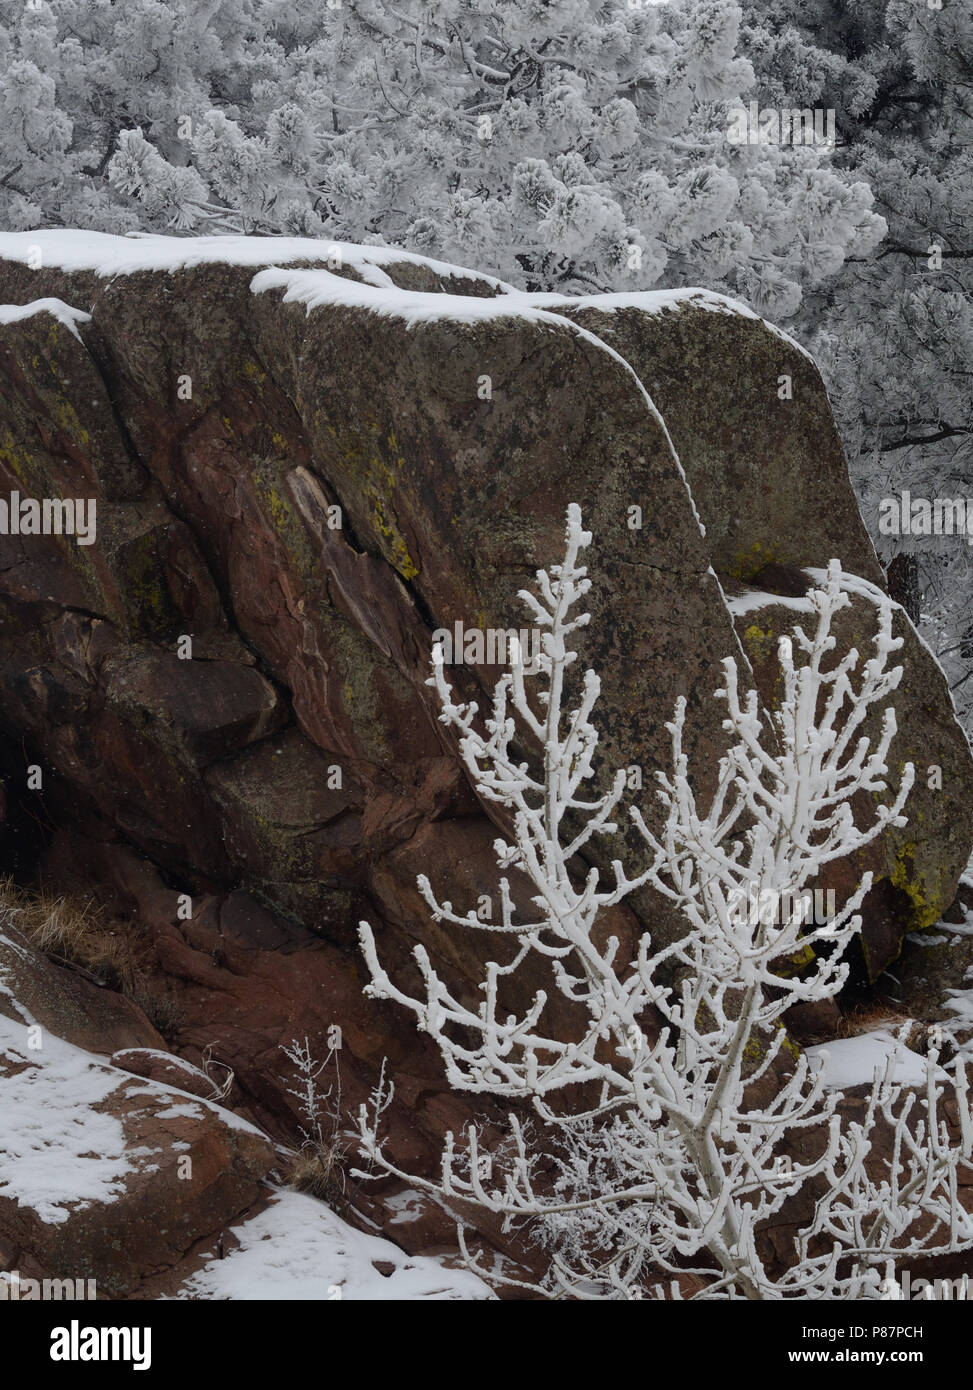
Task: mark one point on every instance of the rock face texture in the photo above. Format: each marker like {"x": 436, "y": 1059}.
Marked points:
{"x": 306, "y": 460}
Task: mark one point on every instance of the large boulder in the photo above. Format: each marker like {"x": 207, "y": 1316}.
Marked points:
{"x": 305, "y": 462}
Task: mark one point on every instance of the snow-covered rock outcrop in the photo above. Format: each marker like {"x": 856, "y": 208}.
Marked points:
{"x": 306, "y": 458}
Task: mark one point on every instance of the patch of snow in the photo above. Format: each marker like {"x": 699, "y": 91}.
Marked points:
{"x": 191, "y": 1104}
{"x": 56, "y": 1151}
{"x": 740, "y": 604}
{"x": 928, "y": 937}
{"x": 960, "y": 1004}
{"x": 408, "y": 1206}
{"x": 7, "y": 989}
{"x": 24, "y": 952}
{"x": 298, "y": 1249}
{"x": 172, "y": 1059}
{"x": 318, "y": 289}
{"x": 175, "y": 1112}
{"x": 70, "y": 318}
{"x": 854, "y": 1061}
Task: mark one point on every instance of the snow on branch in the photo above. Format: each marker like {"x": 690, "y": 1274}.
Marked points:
{"x": 671, "y": 1165}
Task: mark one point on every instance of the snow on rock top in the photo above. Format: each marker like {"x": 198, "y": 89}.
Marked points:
{"x": 664, "y": 301}
{"x": 108, "y": 255}
{"x": 324, "y": 289}
{"x": 854, "y": 1061}
{"x": 375, "y": 291}
{"x": 57, "y": 1151}
{"x": 15, "y": 313}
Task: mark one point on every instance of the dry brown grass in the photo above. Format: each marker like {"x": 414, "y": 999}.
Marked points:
{"x": 912, "y": 1032}
{"x": 873, "y": 1014}
{"x": 71, "y": 931}
{"x": 67, "y": 927}
{"x": 319, "y": 1171}
{"x": 163, "y": 1010}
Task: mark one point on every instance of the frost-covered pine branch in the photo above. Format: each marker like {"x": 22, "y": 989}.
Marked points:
{"x": 674, "y": 1166}
{"x": 574, "y": 146}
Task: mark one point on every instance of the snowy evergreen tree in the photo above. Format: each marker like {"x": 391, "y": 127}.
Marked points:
{"x": 578, "y": 145}
{"x": 893, "y": 331}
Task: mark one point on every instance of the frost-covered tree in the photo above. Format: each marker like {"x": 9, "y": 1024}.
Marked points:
{"x": 893, "y": 330}
{"x": 678, "y": 1163}
{"x": 578, "y": 144}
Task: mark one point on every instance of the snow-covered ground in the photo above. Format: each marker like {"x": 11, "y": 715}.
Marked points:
{"x": 58, "y": 1151}
{"x": 298, "y": 1248}
{"x": 62, "y": 1152}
